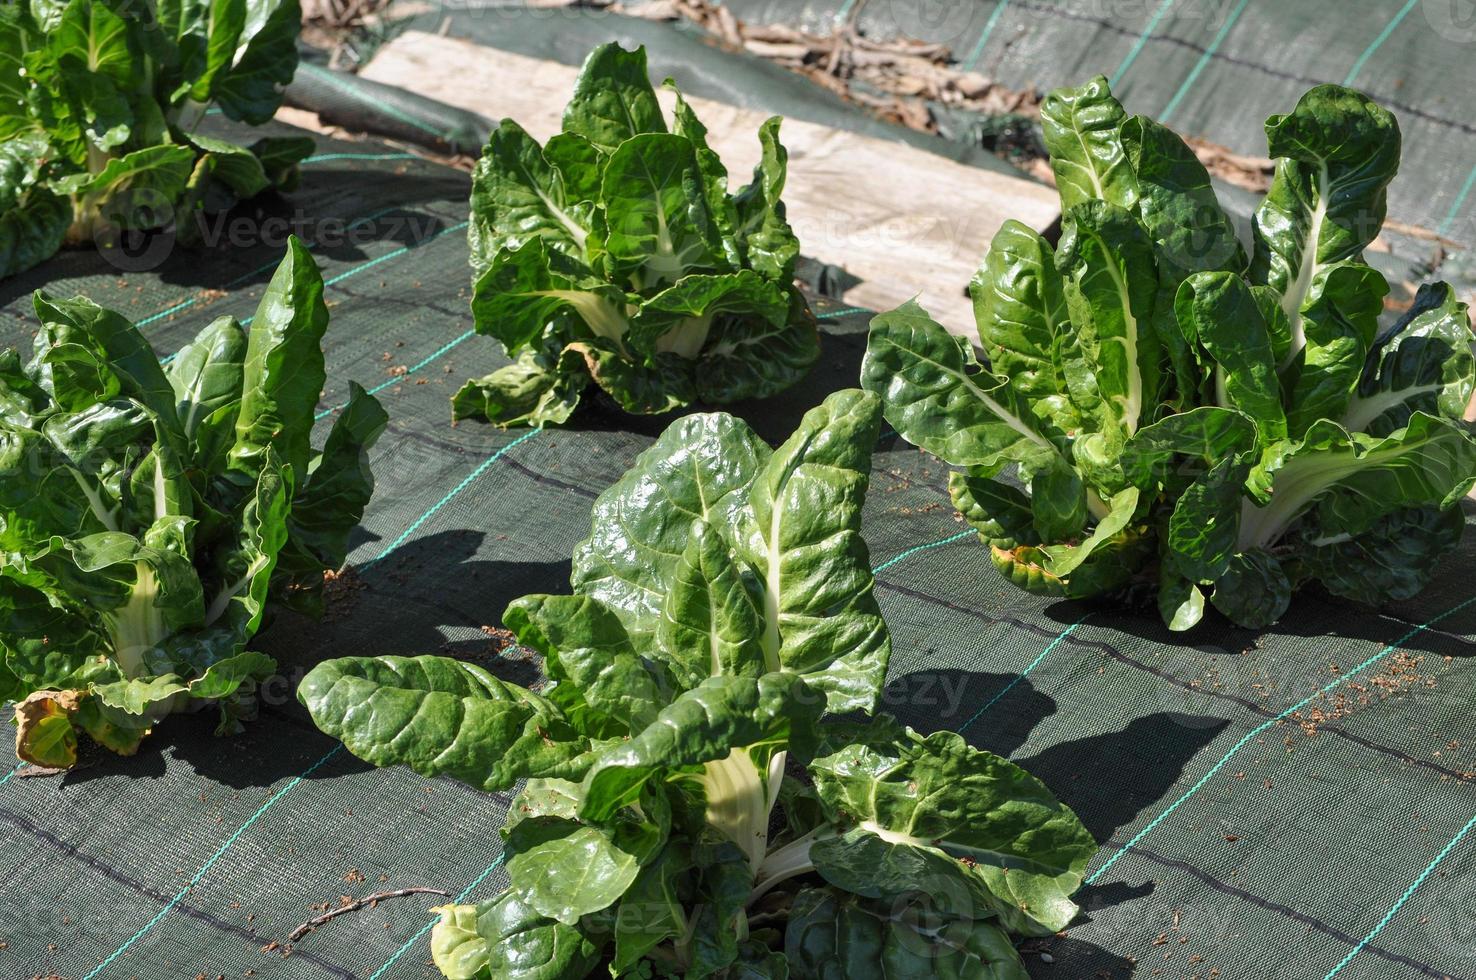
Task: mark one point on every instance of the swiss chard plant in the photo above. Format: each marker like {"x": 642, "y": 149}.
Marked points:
{"x": 615, "y": 253}
{"x": 149, "y": 512}
{"x": 99, "y": 103}
{"x": 693, "y": 807}
{"x": 1226, "y": 425}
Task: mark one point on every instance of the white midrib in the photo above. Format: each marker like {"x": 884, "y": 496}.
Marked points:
{"x": 94, "y": 501}
{"x": 949, "y": 847}
{"x": 218, "y": 606}
{"x": 1297, "y": 290}
{"x": 1091, "y": 170}
{"x": 1013, "y": 421}
{"x": 773, "y": 582}
{"x": 560, "y": 215}
{"x": 1362, "y": 411}
{"x": 1132, "y": 402}
{"x": 1261, "y": 526}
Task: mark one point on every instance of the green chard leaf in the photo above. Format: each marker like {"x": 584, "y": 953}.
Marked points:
{"x": 1154, "y": 407}
{"x": 615, "y": 253}
{"x": 723, "y": 611}
{"x": 136, "y": 576}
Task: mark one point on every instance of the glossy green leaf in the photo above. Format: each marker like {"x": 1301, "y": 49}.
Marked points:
{"x": 700, "y": 468}
{"x": 703, "y": 725}
{"x": 1338, "y": 327}
{"x": 1219, "y": 311}
{"x": 1107, "y": 262}
{"x": 1352, "y": 479}
{"x": 938, "y": 398}
{"x": 440, "y": 716}
{"x": 763, "y": 233}
{"x": 711, "y": 622}
{"x": 613, "y": 99}
{"x": 533, "y": 390}
{"x": 659, "y": 226}
{"x": 1336, "y": 153}
{"x": 518, "y": 194}
{"x": 939, "y": 793}
{"x": 1422, "y": 363}
{"x": 803, "y": 538}
{"x": 1254, "y": 590}
{"x": 831, "y": 934}
{"x": 283, "y": 370}
{"x": 1082, "y": 130}
{"x": 506, "y": 938}
{"x": 599, "y": 679}
{"x": 1177, "y": 204}
{"x": 1020, "y": 307}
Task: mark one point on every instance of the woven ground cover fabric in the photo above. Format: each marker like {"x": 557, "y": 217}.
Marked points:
{"x": 1294, "y": 803}
{"x": 1217, "y": 68}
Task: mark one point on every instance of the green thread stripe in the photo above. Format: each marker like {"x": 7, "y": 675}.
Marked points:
{"x": 466, "y": 482}
{"x": 324, "y": 158}
{"x": 429, "y": 925}
{"x": 1022, "y": 675}
{"x": 1137, "y": 48}
{"x": 1389, "y": 916}
{"x": 845, "y": 312}
{"x": 9, "y": 775}
{"x": 1204, "y": 59}
{"x": 396, "y": 380}
{"x": 1378, "y": 42}
{"x": 179, "y": 896}
{"x": 1262, "y": 727}
{"x": 386, "y": 257}
{"x": 978, "y": 51}
{"x": 1455, "y": 206}
{"x": 193, "y": 300}
{"x": 921, "y": 547}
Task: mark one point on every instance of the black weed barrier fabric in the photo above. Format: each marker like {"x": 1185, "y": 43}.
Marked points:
{"x": 1295, "y": 803}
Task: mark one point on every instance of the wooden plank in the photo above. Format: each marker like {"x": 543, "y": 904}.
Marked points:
{"x": 903, "y": 221}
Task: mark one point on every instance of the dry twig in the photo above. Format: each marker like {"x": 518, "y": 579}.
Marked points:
{"x": 367, "y": 901}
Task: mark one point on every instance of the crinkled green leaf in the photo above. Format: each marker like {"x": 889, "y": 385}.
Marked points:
{"x": 938, "y": 399}
{"x": 700, "y": 468}
{"x": 1082, "y": 130}
{"x": 1422, "y": 363}
{"x": 1020, "y": 308}
{"x": 440, "y": 716}
{"x": 939, "y": 793}
{"x": 831, "y": 934}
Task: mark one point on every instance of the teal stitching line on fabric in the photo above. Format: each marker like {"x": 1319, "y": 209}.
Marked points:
{"x": 1021, "y": 675}
{"x": 1378, "y": 42}
{"x": 361, "y": 156}
{"x": 1389, "y": 917}
{"x": 1455, "y": 206}
{"x": 389, "y": 110}
{"x": 1261, "y": 728}
{"x": 1138, "y": 45}
{"x": 846, "y": 312}
{"x": 843, "y": 12}
{"x": 978, "y": 51}
{"x": 429, "y": 925}
{"x": 179, "y": 896}
{"x": 922, "y": 547}
{"x": 14, "y": 769}
{"x": 470, "y": 477}
{"x": 187, "y": 303}
{"x": 366, "y": 266}
{"x": 1204, "y": 59}
{"x": 393, "y": 381}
